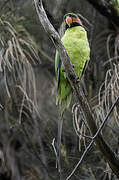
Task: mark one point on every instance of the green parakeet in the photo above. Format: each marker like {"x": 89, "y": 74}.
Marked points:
{"x": 76, "y": 44}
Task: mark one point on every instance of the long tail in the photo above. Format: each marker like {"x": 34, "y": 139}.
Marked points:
{"x": 59, "y": 137}
{"x": 63, "y": 105}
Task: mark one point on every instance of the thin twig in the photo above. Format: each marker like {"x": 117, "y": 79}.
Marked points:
{"x": 93, "y": 138}
{"x": 54, "y": 148}
{"x": 83, "y": 155}
{"x": 110, "y": 60}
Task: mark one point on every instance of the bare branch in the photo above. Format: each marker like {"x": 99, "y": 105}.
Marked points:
{"x": 93, "y": 139}
{"x": 102, "y": 145}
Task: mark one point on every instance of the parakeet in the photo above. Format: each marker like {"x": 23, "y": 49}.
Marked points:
{"x": 76, "y": 44}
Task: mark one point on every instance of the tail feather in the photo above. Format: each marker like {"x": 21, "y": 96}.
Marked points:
{"x": 64, "y": 104}
{"x": 59, "y": 136}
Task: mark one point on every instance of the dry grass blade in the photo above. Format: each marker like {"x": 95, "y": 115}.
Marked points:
{"x": 108, "y": 93}
{"x": 80, "y": 125}
{"x": 109, "y": 90}
{"x": 17, "y": 54}
{"x": 17, "y": 44}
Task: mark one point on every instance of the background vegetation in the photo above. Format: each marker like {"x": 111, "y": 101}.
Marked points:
{"x": 29, "y": 116}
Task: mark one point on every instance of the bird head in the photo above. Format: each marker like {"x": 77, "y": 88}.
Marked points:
{"x": 71, "y": 20}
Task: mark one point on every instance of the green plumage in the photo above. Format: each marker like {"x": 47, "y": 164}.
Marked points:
{"x": 76, "y": 44}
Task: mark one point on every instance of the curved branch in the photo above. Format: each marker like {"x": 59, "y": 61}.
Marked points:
{"x": 110, "y": 156}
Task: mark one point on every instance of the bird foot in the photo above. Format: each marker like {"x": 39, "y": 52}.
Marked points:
{"x": 73, "y": 66}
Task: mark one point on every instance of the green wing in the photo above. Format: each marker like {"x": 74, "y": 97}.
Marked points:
{"x": 57, "y": 68}
{"x": 64, "y": 90}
